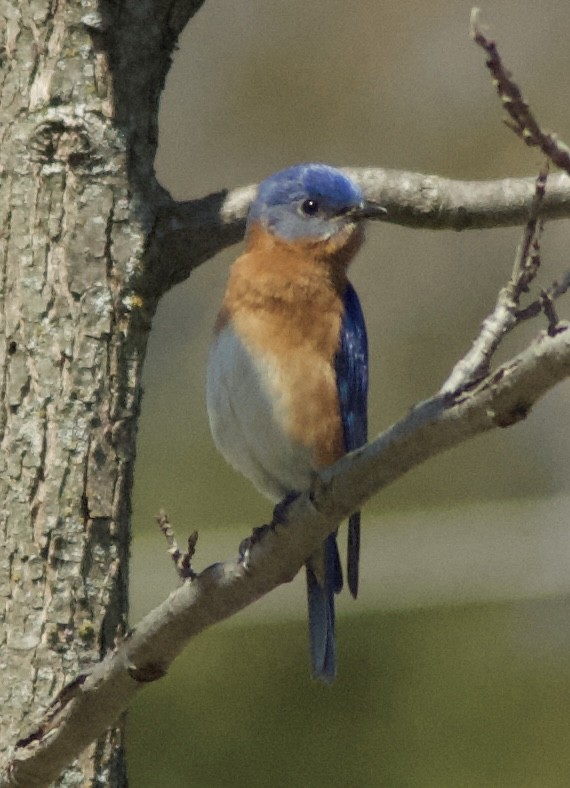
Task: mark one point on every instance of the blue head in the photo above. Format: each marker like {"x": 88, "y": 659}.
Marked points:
{"x": 310, "y": 201}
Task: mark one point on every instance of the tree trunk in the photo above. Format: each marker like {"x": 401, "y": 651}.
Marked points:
{"x": 78, "y": 101}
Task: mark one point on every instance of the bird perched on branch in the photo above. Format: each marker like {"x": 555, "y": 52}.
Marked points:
{"x": 288, "y": 369}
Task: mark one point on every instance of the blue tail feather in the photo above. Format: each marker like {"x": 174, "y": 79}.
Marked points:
{"x": 353, "y": 553}
{"x": 320, "y": 596}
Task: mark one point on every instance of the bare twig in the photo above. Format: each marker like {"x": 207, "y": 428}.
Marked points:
{"x": 549, "y": 310}
{"x": 527, "y": 259}
{"x": 476, "y": 363}
{"x": 507, "y": 313}
{"x": 182, "y": 561}
{"x": 521, "y": 118}
{"x": 556, "y": 290}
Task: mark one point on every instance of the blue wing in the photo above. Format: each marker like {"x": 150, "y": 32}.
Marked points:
{"x": 351, "y": 366}
{"x": 324, "y": 573}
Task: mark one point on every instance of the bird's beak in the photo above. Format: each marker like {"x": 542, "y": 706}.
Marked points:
{"x": 368, "y": 209}
{"x": 371, "y": 210}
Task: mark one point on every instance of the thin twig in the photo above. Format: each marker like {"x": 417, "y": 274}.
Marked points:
{"x": 182, "y": 561}
{"x": 475, "y": 365}
{"x": 527, "y": 259}
{"x": 521, "y": 118}
{"x": 550, "y": 312}
{"x": 555, "y": 290}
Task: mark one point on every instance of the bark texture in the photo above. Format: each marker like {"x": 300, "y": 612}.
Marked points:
{"x": 79, "y": 89}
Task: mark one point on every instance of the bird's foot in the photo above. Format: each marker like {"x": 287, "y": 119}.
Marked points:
{"x": 280, "y": 509}
{"x": 247, "y": 543}
{"x": 258, "y": 533}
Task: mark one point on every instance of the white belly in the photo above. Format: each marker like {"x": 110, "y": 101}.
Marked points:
{"x": 248, "y": 422}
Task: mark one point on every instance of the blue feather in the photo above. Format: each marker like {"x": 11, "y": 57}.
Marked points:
{"x": 320, "y": 597}
{"x": 351, "y": 366}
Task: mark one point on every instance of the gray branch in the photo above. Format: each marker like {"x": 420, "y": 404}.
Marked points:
{"x": 188, "y": 233}
{"x": 88, "y": 706}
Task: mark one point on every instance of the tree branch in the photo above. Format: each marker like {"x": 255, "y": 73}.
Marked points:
{"x": 187, "y": 234}
{"x": 180, "y": 13}
{"x": 85, "y": 709}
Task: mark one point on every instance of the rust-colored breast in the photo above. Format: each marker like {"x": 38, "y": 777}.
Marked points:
{"x": 285, "y": 303}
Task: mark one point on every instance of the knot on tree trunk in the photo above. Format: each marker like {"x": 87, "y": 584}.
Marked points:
{"x": 63, "y": 142}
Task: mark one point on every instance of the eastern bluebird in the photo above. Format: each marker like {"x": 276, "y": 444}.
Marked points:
{"x": 287, "y": 374}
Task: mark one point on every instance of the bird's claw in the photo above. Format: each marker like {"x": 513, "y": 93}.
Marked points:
{"x": 280, "y": 509}
{"x": 247, "y": 543}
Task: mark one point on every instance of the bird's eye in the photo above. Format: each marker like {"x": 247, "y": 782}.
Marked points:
{"x": 310, "y": 207}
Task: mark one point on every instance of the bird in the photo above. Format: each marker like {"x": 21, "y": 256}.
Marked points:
{"x": 287, "y": 373}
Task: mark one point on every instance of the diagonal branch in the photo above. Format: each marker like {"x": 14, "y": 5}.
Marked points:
{"x": 85, "y": 709}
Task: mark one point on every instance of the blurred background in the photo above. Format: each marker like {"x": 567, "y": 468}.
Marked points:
{"x": 454, "y": 664}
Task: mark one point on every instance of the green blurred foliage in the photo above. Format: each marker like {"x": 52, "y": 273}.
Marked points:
{"x": 460, "y": 697}
{"x": 468, "y": 697}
